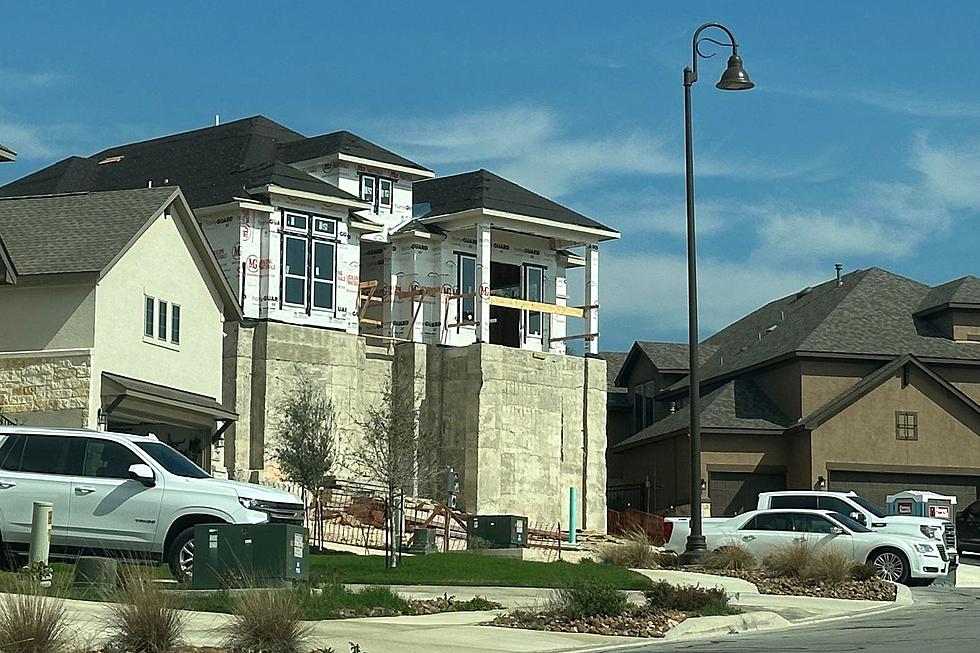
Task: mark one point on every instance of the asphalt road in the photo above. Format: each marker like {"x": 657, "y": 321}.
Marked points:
{"x": 942, "y": 620}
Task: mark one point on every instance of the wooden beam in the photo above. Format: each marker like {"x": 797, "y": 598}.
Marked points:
{"x": 371, "y": 283}
{"x": 537, "y": 307}
{"x": 365, "y": 320}
{"x": 581, "y": 335}
{"x": 371, "y": 335}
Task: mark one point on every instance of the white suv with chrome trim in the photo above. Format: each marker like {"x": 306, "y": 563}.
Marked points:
{"x": 124, "y": 495}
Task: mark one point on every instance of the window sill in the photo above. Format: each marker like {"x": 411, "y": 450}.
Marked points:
{"x": 163, "y": 344}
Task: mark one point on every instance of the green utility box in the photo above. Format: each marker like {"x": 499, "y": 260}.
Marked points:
{"x": 256, "y": 555}
{"x": 501, "y": 531}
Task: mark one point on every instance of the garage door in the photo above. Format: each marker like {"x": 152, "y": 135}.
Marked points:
{"x": 733, "y": 493}
{"x": 876, "y": 486}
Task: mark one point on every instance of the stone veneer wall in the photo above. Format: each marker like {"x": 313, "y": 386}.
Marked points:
{"x": 521, "y": 427}
{"x": 49, "y": 388}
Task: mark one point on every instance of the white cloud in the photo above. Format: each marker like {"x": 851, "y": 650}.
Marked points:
{"x": 11, "y": 80}
{"x": 893, "y": 101}
{"x": 951, "y": 172}
{"x": 30, "y": 142}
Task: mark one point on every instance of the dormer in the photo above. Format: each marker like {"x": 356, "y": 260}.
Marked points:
{"x": 954, "y": 309}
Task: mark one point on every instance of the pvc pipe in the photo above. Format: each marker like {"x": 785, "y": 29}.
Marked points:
{"x": 571, "y": 515}
{"x": 41, "y": 531}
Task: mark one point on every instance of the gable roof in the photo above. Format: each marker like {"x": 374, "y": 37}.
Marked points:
{"x": 93, "y": 230}
{"x": 962, "y": 291}
{"x": 6, "y": 154}
{"x": 871, "y": 314}
{"x": 342, "y": 142}
{"x": 872, "y": 381}
{"x": 482, "y": 189}
{"x": 739, "y": 405}
{"x": 212, "y": 165}
{"x": 667, "y": 357}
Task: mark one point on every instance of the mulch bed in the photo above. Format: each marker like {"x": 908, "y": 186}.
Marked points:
{"x": 636, "y": 622}
{"x": 870, "y": 590}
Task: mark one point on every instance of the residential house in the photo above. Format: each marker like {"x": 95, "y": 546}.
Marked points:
{"x": 869, "y": 382}
{"x": 111, "y": 315}
{"x": 6, "y": 154}
{"x": 352, "y": 264}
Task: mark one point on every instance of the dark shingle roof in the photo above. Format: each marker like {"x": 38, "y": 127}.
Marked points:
{"x": 211, "y": 165}
{"x": 483, "y": 189}
{"x": 870, "y": 314}
{"x": 80, "y": 232}
{"x": 614, "y": 362}
{"x": 739, "y": 404}
{"x": 342, "y": 142}
{"x": 672, "y": 356}
{"x": 965, "y": 290}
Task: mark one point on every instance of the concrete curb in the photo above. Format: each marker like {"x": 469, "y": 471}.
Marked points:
{"x": 726, "y": 625}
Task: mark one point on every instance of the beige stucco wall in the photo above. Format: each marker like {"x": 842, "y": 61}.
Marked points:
{"x": 823, "y": 380}
{"x": 783, "y": 384}
{"x": 520, "y": 427}
{"x": 864, "y": 433}
{"x": 46, "y": 388}
{"x": 163, "y": 264}
{"x": 964, "y": 377}
{"x": 36, "y": 315}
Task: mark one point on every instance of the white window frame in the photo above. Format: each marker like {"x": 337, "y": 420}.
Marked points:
{"x": 391, "y": 193}
{"x": 151, "y": 303}
{"x": 163, "y": 318}
{"x": 295, "y": 214}
{"x": 461, "y": 302}
{"x": 286, "y": 237}
{"x": 176, "y": 321}
{"x": 527, "y": 314}
{"x": 329, "y": 280}
{"x": 373, "y": 186}
{"x": 320, "y": 231}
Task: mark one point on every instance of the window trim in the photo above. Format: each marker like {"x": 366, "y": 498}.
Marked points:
{"x": 306, "y": 270}
{"x": 149, "y": 303}
{"x": 162, "y": 319}
{"x": 461, "y": 302}
{"x": 330, "y": 280}
{"x": 175, "y": 324}
{"x": 364, "y": 177}
{"x": 908, "y": 431}
{"x": 527, "y": 314}
{"x": 391, "y": 194}
{"x": 288, "y": 227}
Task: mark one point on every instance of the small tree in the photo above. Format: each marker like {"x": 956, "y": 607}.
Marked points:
{"x": 305, "y": 450}
{"x": 396, "y": 451}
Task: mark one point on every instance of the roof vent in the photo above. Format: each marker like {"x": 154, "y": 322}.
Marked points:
{"x": 772, "y": 328}
{"x": 838, "y": 267}
{"x": 804, "y": 292}
{"x": 110, "y": 159}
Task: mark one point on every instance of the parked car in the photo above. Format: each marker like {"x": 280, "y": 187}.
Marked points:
{"x": 863, "y": 511}
{"x": 909, "y": 559}
{"x": 130, "y": 496}
{"x": 968, "y": 529}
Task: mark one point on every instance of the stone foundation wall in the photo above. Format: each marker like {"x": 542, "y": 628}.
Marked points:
{"x": 50, "y": 388}
{"x": 520, "y": 427}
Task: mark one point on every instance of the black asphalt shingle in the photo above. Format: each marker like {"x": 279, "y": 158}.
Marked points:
{"x": 342, "y": 142}
{"x": 614, "y": 362}
{"x": 872, "y": 313}
{"x": 212, "y": 165}
{"x": 79, "y": 232}
{"x": 483, "y": 189}
{"x": 965, "y": 290}
{"x": 738, "y": 404}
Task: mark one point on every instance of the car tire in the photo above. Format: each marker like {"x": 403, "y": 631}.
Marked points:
{"x": 180, "y": 557}
{"x": 891, "y": 564}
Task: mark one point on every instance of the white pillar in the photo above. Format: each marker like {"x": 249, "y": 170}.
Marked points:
{"x": 592, "y": 297}
{"x": 483, "y": 281}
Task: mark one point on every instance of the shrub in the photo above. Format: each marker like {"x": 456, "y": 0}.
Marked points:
{"x": 789, "y": 560}
{"x": 266, "y": 620}
{"x": 864, "y": 572}
{"x": 581, "y": 600}
{"x": 477, "y": 542}
{"x": 829, "y": 566}
{"x": 635, "y": 552}
{"x": 140, "y": 618}
{"x": 706, "y": 601}
{"x": 732, "y": 557}
{"x": 30, "y": 623}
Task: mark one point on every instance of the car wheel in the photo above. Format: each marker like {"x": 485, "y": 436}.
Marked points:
{"x": 180, "y": 558}
{"x": 891, "y": 564}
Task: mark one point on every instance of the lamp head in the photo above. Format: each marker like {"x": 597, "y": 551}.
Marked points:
{"x": 734, "y": 78}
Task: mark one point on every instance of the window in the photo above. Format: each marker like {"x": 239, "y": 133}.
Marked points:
{"x": 11, "y": 451}
{"x": 906, "y": 425}
{"x": 790, "y": 501}
{"x": 368, "y": 186}
{"x": 771, "y": 522}
{"x": 323, "y": 274}
{"x": 836, "y": 505}
{"x": 297, "y": 221}
{"x": 172, "y": 460}
{"x": 149, "y": 315}
{"x": 175, "y": 324}
{"x": 466, "y": 282}
{"x": 384, "y": 193}
{"x": 162, "y": 320}
{"x": 324, "y": 226}
{"x": 107, "y": 459}
{"x": 854, "y": 526}
{"x": 51, "y": 454}
{"x": 533, "y": 292}
{"x": 294, "y": 271}
{"x": 814, "y": 524}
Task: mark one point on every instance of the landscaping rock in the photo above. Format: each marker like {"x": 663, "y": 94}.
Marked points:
{"x": 637, "y": 622}
{"x": 868, "y": 590}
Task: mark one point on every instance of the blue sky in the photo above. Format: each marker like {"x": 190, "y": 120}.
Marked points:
{"x": 860, "y": 144}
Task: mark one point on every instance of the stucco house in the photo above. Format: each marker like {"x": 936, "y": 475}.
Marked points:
{"x": 869, "y": 382}
{"x": 111, "y": 315}
{"x": 358, "y": 266}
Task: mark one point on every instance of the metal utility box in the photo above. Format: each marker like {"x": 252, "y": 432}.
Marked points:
{"x": 919, "y": 503}
{"x": 424, "y": 541}
{"x": 256, "y": 555}
{"x": 501, "y": 531}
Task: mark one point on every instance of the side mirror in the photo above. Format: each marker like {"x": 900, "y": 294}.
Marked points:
{"x": 858, "y": 517}
{"x": 142, "y": 473}
{"x": 837, "y": 530}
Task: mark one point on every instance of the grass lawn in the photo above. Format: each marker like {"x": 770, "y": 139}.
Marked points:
{"x": 470, "y": 569}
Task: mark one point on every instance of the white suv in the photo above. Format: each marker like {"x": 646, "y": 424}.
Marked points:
{"x": 130, "y": 496}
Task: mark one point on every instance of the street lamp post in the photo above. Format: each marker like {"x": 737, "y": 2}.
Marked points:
{"x": 733, "y": 79}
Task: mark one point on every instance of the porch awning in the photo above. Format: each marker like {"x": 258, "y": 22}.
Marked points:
{"x": 149, "y": 399}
